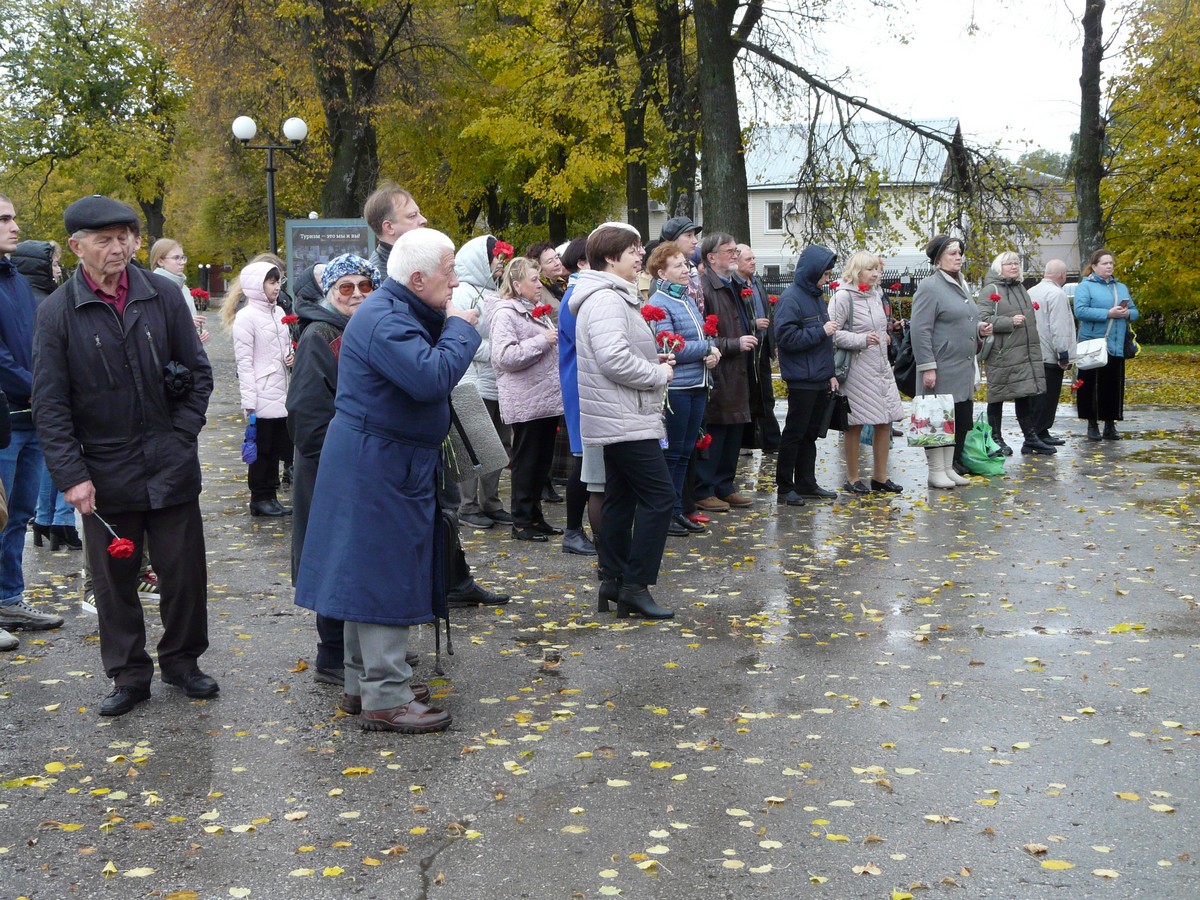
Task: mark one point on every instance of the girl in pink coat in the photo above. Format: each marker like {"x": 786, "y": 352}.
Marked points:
{"x": 262, "y": 347}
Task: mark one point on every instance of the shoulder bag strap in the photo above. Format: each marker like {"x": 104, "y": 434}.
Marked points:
{"x": 462, "y": 433}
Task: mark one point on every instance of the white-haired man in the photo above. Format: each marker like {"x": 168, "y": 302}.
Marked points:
{"x": 1056, "y": 329}
{"x": 373, "y": 554}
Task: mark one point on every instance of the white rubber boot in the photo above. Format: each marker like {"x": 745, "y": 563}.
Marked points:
{"x": 948, "y": 461}
{"x": 937, "y": 469}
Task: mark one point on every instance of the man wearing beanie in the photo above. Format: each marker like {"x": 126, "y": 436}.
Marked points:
{"x": 21, "y": 459}
{"x": 120, "y": 390}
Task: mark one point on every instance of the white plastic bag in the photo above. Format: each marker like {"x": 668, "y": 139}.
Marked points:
{"x": 931, "y": 422}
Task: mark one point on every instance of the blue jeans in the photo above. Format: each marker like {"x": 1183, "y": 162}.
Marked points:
{"x": 52, "y": 506}
{"x": 684, "y": 419}
{"x": 21, "y": 467}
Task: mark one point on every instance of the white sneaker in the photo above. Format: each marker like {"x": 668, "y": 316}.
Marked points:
{"x": 22, "y": 615}
{"x": 7, "y": 641}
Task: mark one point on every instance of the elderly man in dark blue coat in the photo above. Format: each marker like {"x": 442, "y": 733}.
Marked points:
{"x": 373, "y": 552}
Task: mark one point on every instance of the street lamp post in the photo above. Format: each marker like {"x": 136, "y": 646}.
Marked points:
{"x": 295, "y": 130}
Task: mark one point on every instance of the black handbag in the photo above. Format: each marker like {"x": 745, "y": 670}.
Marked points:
{"x": 1132, "y": 347}
{"x": 836, "y": 415}
{"x": 905, "y": 367}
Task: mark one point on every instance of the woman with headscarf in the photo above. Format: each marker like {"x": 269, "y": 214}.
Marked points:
{"x": 347, "y": 280}
{"x": 262, "y": 347}
{"x": 945, "y": 334}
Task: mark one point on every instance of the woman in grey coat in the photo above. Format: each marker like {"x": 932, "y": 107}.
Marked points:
{"x": 945, "y": 334}
{"x": 1014, "y": 355}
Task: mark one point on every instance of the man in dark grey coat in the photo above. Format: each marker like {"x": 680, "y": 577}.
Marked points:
{"x": 120, "y": 390}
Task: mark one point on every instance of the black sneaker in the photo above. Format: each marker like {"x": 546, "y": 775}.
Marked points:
{"x": 889, "y": 487}
{"x": 476, "y": 520}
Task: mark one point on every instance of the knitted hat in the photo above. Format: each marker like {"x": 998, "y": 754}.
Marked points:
{"x": 347, "y": 264}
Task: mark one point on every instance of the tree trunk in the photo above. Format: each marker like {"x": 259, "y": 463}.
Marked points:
{"x": 722, "y": 154}
{"x": 678, "y": 113}
{"x": 1089, "y": 162}
{"x": 637, "y": 181}
{"x": 155, "y": 220}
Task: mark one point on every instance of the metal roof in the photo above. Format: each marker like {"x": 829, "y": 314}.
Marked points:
{"x": 776, "y": 152}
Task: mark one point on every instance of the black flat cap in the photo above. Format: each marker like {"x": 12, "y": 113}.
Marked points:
{"x": 97, "y": 212}
{"x": 673, "y": 228}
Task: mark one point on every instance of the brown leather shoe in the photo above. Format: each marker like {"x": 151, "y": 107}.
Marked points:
{"x": 736, "y": 500}
{"x": 352, "y": 703}
{"x": 712, "y": 504}
{"x": 415, "y": 718}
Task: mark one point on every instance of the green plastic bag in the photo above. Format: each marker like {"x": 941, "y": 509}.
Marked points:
{"x": 978, "y": 449}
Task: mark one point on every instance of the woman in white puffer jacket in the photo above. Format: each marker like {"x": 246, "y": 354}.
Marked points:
{"x": 262, "y": 347}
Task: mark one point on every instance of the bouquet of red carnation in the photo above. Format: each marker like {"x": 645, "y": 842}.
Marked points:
{"x": 704, "y": 441}
{"x": 653, "y": 314}
{"x": 669, "y": 343}
{"x": 711, "y": 323}
{"x": 119, "y": 547}
{"x": 199, "y": 294}
{"x": 290, "y": 319}
{"x": 503, "y": 251}
{"x": 895, "y": 286}
{"x": 543, "y": 309}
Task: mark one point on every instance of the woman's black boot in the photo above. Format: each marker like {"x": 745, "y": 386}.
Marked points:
{"x": 1110, "y": 432}
{"x": 635, "y": 599}
{"x": 65, "y": 536}
{"x": 39, "y": 532}
{"x": 610, "y": 587}
{"x": 1093, "y": 433}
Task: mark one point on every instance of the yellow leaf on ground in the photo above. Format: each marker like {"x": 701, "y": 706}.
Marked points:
{"x": 1127, "y": 795}
{"x": 1106, "y": 873}
{"x": 332, "y": 871}
{"x": 1057, "y": 864}
{"x": 140, "y": 872}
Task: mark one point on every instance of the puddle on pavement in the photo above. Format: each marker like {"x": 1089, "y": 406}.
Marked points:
{"x": 1171, "y": 454}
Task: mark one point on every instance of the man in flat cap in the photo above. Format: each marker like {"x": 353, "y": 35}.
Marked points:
{"x": 120, "y": 390}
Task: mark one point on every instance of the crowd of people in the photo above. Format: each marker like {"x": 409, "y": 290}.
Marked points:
{"x": 640, "y": 372}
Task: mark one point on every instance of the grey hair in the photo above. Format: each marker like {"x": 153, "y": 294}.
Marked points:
{"x": 712, "y": 241}
{"x": 420, "y": 250}
{"x": 1006, "y": 256}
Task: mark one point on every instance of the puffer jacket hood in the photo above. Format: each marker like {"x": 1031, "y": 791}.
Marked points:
{"x": 252, "y": 278}
{"x": 34, "y": 260}
{"x": 311, "y": 311}
{"x": 471, "y": 263}
{"x": 814, "y": 262}
{"x": 307, "y": 288}
{"x": 590, "y": 281}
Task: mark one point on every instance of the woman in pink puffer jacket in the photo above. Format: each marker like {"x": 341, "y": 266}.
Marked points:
{"x": 262, "y": 347}
{"x": 525, "y": 356}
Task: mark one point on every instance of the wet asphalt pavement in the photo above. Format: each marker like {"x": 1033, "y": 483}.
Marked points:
{"x": 992, "y": 689}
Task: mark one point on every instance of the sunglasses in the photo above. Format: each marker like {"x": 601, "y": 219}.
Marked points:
{"x": 364, "y": 287}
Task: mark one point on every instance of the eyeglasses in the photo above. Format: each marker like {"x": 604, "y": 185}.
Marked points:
{"x": 347, "y": 288}
{"x": 177, "y": 258}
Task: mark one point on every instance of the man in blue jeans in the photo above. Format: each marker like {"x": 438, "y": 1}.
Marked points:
{"x": 21, "y": 460}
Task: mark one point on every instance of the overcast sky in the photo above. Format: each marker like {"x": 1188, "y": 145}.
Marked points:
{"x": 1016, "y": 79}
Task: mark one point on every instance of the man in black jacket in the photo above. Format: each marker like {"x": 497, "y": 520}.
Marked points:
{"x": 120, "y": 390}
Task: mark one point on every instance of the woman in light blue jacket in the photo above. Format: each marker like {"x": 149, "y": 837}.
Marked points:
{"x": 1104, "y": 308}
{"x": 688, "y": 393}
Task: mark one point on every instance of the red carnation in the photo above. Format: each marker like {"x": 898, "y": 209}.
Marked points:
{"x": 669, "y": 342}
{"x": 711, "y": 323}
{"x": 121, "y": 548}
{"x": 290, "y": 319}
{"x": 1076, "y": 385}
{"x": 896, "y": 286}
{"x": 834, "y": 285}
{"x": 653, "y": 313}
{"x": 773, "y": 298}
{"x": 863, "y": 287}
{"x": 747, "y": 293}
{"x": 543, "y": 310}
{"x": 503, "y": 251}
{"x": 704, "y": 441}
{"x": 199, "y": 294}
{"x": 1035, "y": 305}
{"x": 995, "y": 298}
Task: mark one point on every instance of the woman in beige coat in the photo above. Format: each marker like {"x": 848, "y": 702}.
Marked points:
{"x": 870, "y": 385}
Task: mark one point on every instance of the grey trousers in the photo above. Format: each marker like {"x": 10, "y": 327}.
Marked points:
{"x": 375, "y": 666}
{"x": 481, "y": 496}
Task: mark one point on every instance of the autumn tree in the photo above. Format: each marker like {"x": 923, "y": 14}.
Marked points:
{"x": 87, "y": 98}
{"x": 1152, "y": 193}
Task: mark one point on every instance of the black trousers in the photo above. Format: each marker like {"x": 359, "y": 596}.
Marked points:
{"x": 964, "y": 421}
{"x": 796, "y": 467}
{"x": 274, "y": 446}
{"x": 532, "y": 455}
{"x": 639, "y": 499}
{"x": 767, "y": 424}
{"x": 1102, "y": 395}
{"x": 1049, "y": 406}
{"x": 177, "y": 554}
{"x": 716, "y": 476}
{"x": 1028, "y": 410}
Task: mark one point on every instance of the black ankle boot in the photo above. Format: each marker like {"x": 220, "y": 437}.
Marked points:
{"x": 995, "y": 421}
{"x": 1093, "y": 433}
{"x": 1110, "y": 432}
{"x": 610, "y": 587}
{"x": 39, "y": 532}
{"x": 1034, "y": 444}
{"x": 64, "y": 536}
{"x": 635, "y": 599}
